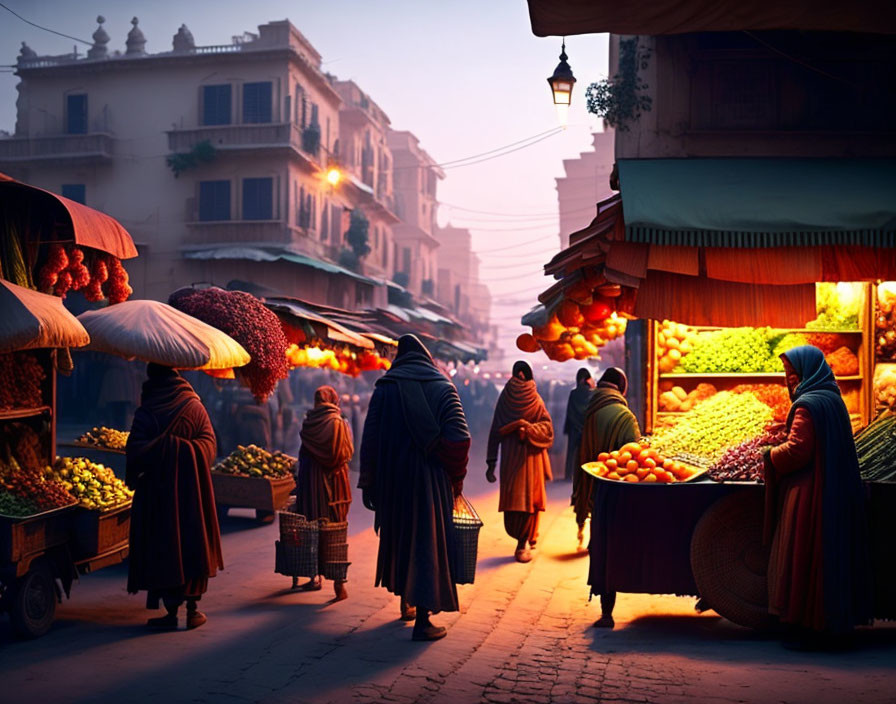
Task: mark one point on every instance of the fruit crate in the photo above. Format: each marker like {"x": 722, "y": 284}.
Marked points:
{"x": 260, "y": 493}
{"x": 99, "y": 532}
{"x": 20, "y": 537}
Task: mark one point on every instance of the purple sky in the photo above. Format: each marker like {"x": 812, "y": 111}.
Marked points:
{"x": 466, "y": 76}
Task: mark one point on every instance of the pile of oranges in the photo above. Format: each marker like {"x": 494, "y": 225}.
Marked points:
{"x": 340, "y": 359}
{"x": 634, "y": 462}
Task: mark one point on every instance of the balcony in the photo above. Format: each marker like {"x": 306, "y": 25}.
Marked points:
{"x": 84, "y": 148}
{"x": 284, "y": 135}
{"x": 241, "y": 232}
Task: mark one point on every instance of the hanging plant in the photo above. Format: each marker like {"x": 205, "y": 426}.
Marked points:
{"x": 202, "y": 153}
{"x": 621, "y": 100}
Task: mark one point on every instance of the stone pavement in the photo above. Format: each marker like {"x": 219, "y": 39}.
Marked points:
{"x": 523, "y": 635}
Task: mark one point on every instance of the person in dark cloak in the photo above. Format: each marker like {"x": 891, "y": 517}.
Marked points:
{"x": 414, "y": 452}
{"x": 322, "y": 485}
{"x": 609, "y": 424}
{"x": 575, "y": 419}
{"x": 819, "y": 578}
{"x": 175, "y": 545}
{"x": 523, "y": 430}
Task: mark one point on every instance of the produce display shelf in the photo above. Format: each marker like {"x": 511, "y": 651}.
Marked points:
{"x": 810, "y": 331}
{"x": 91, "y": 446}
{"x": 13, "y": 413}
{"x": 742, "y": 375}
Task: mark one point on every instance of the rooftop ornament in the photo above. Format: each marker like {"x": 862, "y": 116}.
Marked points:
{"x": 136, "y": 42}
{"x": 100, "y": 39}
{"x": 183, "y": 41}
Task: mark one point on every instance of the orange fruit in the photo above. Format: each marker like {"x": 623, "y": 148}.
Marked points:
{"x": 622, "y": 469}
{"x": 642, "y": 472}
{"x": 624, "y": 456}
{"x": 650, "y": 478}
{"x": 603, "y": 457}
{"x": 611, "y": 464}
{"x": 630, "y": 478}
{"x": 632, "y": 465}
{"x": 633, "y": 448}
{"x": 612, "y": 475}
{"x": 668, "y": 463}
{"x": 649, "y": 463}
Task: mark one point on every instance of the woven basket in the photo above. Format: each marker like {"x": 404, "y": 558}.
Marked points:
{"x": 296, "y": 553}
{"x": 465, "y": 546}
{"x": 729, "y": 562}
{"x": 333, "y": 549}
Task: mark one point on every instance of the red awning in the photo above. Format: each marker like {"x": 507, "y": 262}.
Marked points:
{"x": 568, "y": 17}
{"x": 85, "y": 226}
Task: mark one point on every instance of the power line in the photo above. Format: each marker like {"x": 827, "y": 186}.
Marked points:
{"x": 509, "y": 151}
{"x": 46, "y": 29}
{"x": 552, "y": 131}
{"x": 515, "y": 245}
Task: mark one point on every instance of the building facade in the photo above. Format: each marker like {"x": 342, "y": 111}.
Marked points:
{"x": 586, "y": 181}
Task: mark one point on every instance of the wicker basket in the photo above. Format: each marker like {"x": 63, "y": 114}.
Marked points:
{"x": 296, "y": 553}
{"x": 729, "y": 561}
{"x": 466, "y": 541}
{"x": 333, "y": 549}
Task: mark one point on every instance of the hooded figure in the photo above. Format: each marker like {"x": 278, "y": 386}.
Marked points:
{"x": 413, "y": 462}
{"x": 819, "y": 577}
{"x": 175, "y": 545}
{"x": 609, "y": 424}
{"x": 575, "y": 419}
{"x": 322, "y": 486}
{"x": 522, "y": 428}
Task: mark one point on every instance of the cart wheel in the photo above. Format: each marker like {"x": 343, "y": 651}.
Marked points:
{"x": 34, "y": 604}
{"x": 264, "y": 517}
{"x": 729, "y": 562}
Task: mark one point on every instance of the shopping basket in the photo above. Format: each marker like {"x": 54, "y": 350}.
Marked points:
{"x": 465, "y": 545}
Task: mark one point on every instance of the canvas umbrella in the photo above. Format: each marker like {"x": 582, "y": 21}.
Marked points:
{"x": 155, "y": 332}
{"x": 31, "y": 319}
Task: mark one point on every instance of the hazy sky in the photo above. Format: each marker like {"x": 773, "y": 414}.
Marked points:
{"x": 466, "y": 76}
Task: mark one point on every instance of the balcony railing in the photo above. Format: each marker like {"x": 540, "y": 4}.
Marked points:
{"x": 250, "y": 136}
{"x": 239, "y": 232}
{"x": 99, "y": 146}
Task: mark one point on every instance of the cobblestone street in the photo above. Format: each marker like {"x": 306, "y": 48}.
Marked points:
{"x": 523, "y": 635}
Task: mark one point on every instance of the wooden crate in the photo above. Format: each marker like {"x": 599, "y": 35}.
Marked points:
{"x": 20, "y": 537}
{"x": 260, "y": 493}
{"x": 99, "y": 532}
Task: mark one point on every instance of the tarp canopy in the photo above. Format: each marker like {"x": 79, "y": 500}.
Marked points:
{"x": 31, "y": 320}
{"x": 334, "y": 331}
{"x": 55, "y": 218}
{"x": 568, "y": 17}
{"x": 257, "y": 254}
{"x": 754, "y": 202}
{"x": 152, "y": 331}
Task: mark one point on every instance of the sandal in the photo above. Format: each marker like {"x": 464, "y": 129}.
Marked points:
{"x": 312, "y": 585}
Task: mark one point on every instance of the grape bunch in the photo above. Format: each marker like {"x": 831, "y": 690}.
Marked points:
{"x": 243, "y": 317}
{"x": 744, "y": 462}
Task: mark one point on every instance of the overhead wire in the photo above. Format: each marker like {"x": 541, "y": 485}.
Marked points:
{"x": 45, "y": 29}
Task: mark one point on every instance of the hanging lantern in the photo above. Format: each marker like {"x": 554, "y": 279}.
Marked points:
{"x": 562, "y": 82}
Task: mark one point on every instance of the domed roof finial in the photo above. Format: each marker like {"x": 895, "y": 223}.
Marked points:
{"x": 100, "y": 39}
{"x": 136, "y": 41}
{"x": 183, "y": 40}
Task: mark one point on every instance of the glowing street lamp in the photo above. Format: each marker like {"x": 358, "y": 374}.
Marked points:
{"x": 334, "y": 175}
{"x": 562, "y": 82}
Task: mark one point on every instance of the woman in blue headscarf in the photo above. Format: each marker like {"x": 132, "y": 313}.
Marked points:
{"x": 819, "y": 577}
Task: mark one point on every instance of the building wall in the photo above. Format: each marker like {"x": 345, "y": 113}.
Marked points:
{"x": 586, "y": 182}
{"x": 771, "y": 94}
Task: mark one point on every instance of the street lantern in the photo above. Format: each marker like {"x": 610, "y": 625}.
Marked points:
{"x": 334, "y": 175}
{"x": 562, "y": 82}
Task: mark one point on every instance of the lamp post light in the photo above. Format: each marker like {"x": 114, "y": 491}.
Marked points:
{"x": 334, "y": 175}
{"x": 562, "y": 82}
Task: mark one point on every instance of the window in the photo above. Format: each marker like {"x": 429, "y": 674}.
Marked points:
{"x": 216, "y": 102}
{"x": 299, "y": 117}
{"x": 75, "y": 191}
{"x": 214, "y": 200}
{"x": 406, "y": 255}
{"x": 258, "y": 199}
{"x": 325, "y": 222}
{"x": 257, "y": 102}
{"x": 76, "y": 114}
{"x": 314, "y": 114}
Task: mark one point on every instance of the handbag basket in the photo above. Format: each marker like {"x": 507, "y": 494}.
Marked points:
{"x": 296, "y": 553}
{"x": 333, "y": 549}
{"x": 465, "y": 545}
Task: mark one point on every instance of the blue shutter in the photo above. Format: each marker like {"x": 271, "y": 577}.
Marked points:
{"x": 258, "y": 199}
{"x": 216, "y": 101}
{"x": 257, "y": 102}
{"x": 214, "y": 200}
{"x": 76, "y": 114}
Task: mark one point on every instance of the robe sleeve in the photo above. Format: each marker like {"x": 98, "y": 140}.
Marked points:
{"x": 454, "y": 443}
{"x": 494, "y": 439}
{"x": 541, "y": 432}
{"x": 566, "y": 427}
{"x": 343, "y": 447}
{"x": 632, "y": 432}
{"x": 370, "y": 441}
{"x": 796, "y": 452}
{"x": 203, "y": 433}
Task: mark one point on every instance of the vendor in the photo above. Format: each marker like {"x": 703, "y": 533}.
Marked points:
{"x": 575, "y": 420}
{"x": 819, "y": 577}
{"x": 175, "y": 545}
{"x": 609, "y": 424}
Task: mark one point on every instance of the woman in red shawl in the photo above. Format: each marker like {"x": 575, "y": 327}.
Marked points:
{"x": 322, "y": 487}
{"x": 175, "y": 543}
{"x": 819, "y": 578}
{"x": 413, "y": 463}
{"x": 523, "y": 430}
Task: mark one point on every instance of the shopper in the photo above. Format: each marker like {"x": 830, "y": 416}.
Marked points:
{"x": 819, "y": 570}
{"x": 522, "y": 428}
{"x": 413, "y": 462}
{"x": 175, "y": 545}
{"x": 322, "y": 485}
{"x": 609, "y": 424}
{"x": 575, "y": 419}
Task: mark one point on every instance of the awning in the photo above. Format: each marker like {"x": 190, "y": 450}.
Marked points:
{"x": 257, "y": 254}
{"x": 334, "y": 331}
{"x": 33, "y": 320}
{"x": 568, "y": 17}
{"x": 757, "y": 203}
{"x": 59, "y": 218}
